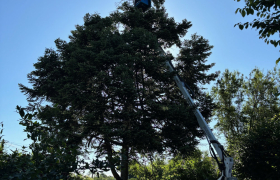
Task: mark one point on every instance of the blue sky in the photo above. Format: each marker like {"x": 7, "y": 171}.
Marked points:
{"x": 28, "y": 27}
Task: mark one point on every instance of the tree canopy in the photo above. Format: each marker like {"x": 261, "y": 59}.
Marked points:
{"x": 260, "y": 152}
{"x": 247, "y": 114}
{"x": 109, "y": 87}
{"x": 268, "y": 22}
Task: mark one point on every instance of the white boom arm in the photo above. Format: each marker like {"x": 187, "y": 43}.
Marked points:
{"x": 227, "y": 162}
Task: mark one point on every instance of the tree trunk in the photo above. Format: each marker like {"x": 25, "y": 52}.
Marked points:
{"x": 124, "y": 162}
{"x": 112, "y": 167}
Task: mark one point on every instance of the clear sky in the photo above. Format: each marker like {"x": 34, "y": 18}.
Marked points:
{"x": 29, "y": 26}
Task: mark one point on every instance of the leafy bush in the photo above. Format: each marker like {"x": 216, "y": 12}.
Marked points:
{"x": 197, "y": 166}
{"x": 259, "y": 152}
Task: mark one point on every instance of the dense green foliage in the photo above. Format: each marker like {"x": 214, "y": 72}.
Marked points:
{"x": 246, "y": 116}
{"x": 109, "y": 88}
{"x": 196, "y": 166}
{"x": 51, "y": 158}
{"x": 260, "y": 152}
{"x": 268, "y": 22}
